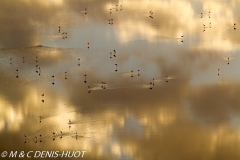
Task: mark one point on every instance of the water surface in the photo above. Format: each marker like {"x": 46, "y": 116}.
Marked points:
{"x": 141, "y": 80}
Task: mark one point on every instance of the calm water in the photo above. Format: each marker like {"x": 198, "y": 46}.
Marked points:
{"x": 146, "y": 79}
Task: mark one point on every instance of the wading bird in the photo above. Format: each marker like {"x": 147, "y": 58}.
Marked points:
{"x": 116, "y": 67}
{"x": 85, "y": 78}
{"x": 66, "y": 75}
{"x": 53, "y": 79}
{"x": 150, "y": 85}
{"x": 17, "y": 73}
{"x": 78, "y": 61}
{"x": 89, "y": 89}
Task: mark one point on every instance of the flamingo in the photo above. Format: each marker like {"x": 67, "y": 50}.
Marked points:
{"x": 89, "y": 91}
{"x": 166, "y": 78}
{"x": 85, "y": 10}
{"x": 204, "y": 27}
{"x": 110, "y": 21}
{"x": 88, "y": 45}
{"x": 114, "y": 51}
{"x": 78, "y": 61}
{"x": 151, "y": 13}
{"x": 36, "y": 68}
{"x": 85, "y": 78}
{"x": 103, "y": 86}
{"x": 209, "y": 14}
{"x": 110, "y": 10}
{"x": 66, "y": 75}
{"x": 110, "y": 54}
{"x": 76, "y": 135}
{"x": 53, "y": 79}
{"x": 150, "y": 85}
{"x": 132, "y": 73}
{"x": 11, "y": 61}
{"x": 116, "y": 67}
{"x": 201, "y": 15}
{"x": 17, "y": 73}
{"x": 138, "y": 73}
{"x": 120, "y": 7}
{"x": 234, "y": 26}
{"x": 23, "y": 59}
{"x": 39, "y": 71}
{"x": 218, "y": 71}
{"x": 36, "y": 59}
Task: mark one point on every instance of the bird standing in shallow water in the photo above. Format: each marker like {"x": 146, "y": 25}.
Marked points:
{"x": 17, "y": 73}
{"x": 85, "y": 78}
{"x": 66, "y": 75}
{"x": 53, "y": 79}
{"x": 116, "y": 67}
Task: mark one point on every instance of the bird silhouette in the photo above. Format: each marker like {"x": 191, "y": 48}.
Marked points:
{"x": 150, "y": 85}
{"x": 89, "y": 89}
{"x": 66, "y": 75}
{"x": 17, "y": 73}
{"x": 85, "y": 78}
{"x": 53, "y": 79}
{"x": 116, "y": 67}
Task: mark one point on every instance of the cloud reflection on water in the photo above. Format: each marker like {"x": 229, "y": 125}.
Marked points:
{"x": 193, "y": 115}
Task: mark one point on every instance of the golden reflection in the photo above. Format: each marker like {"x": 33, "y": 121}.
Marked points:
{"x": 174, "y": 23}
{"x": 11, "y": 117}
{"x": 175, "y": 119}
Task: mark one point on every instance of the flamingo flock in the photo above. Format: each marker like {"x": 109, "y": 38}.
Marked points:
{"x": 104, "y": 86}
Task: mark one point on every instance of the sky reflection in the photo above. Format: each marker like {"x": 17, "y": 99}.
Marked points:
{"x": 135, "y": 87}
